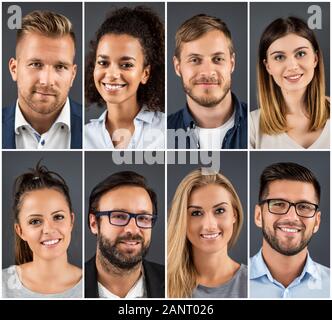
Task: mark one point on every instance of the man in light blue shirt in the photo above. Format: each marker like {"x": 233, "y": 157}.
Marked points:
{"x": 288, "y": 214}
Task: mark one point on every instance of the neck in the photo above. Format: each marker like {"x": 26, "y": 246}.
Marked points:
{"x": 295, "y": 102}
{"x": 39, "y": 121}
{"x": 284, "y": 268}
{"x": 114, "y": 279}
{"x": 212, "y": 117}
{"x": 208, "y": 267}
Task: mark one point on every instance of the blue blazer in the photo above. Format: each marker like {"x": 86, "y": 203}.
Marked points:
{"x": 8, "y": 126}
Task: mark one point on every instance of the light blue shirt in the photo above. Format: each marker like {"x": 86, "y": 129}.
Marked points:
{"x": 149, "y": 132}
{"x": 314, "y": 281}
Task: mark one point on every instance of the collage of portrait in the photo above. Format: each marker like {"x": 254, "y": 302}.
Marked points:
{"x": 165, "y": 150}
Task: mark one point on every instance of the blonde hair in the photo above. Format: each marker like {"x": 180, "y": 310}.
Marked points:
{"x": 181, "y": 272}
{"x": 47, "y": 23}
{"x": 270, "y": 98}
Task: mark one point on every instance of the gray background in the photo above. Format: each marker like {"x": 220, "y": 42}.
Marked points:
{"x": 98, "y": 166}
{"x": 69, "y": 166}
{"x": 319, "y": 163}
{"x": 95, "y": 15}
{"x": 73, "y": 11}
{"x": 262, "y": 14}
{"x": 233, "y": 165}
{"x": 235, "y": 16}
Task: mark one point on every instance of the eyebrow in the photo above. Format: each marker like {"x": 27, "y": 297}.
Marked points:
{"x": 299, "y": 48}
{"x": 198, "y": 207}
{"x": 40, "y": 60}
{"x": 200, "y": 55}
{"x": 126, "y": 210}
{"x": 41, "y": 215}
{"x": 103, "y": 56}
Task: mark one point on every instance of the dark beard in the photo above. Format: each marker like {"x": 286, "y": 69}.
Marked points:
{"x": 274, "y": 243}
{"x": 112, "y": 255}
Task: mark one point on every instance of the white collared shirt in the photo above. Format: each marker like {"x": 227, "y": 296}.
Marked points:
{"x": 149, "y": 132}
{"x": 57, "y": 137}
{"x": 137, "y": 291}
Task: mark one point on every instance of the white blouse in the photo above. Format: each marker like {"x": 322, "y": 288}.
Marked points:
{"x": 282, "y": 140}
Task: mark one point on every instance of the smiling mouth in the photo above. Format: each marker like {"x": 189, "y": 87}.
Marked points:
{"x": 211, "y": 236}
{"x": 130, "y": 242}
{"x": 289, "y": 230}
{"x": 113, "y": 86}
{"x": 294, "y": 77}
{"x": 45, "y": 93}
{"x": 50, "y": 242}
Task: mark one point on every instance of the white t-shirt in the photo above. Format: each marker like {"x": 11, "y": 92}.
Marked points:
{"x": 212, "y": 138}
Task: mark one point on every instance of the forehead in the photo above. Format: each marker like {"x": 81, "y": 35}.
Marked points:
{"x": 38, "y": 46}
{"x": 292, "y": 190}
{"x": 130, "y": 198}
{"x": 206, "y": 45}
{"x": 119, "y": 44}
{"x": 289, "y": 42}
{"x": 209, "y": 195}
{"x": 43, "y": 201}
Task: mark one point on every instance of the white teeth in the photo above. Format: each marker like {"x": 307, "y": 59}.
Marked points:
{"x": 210, "y": 236}
{"x": 289, "y": 230}
{"x": 294, "y": 77}
{"x": 50, "y": 242}
{"x": 113, "y": 86}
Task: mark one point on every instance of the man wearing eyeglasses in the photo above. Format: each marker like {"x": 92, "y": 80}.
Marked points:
{"x": 122, "y": 212}
{"x": 288, "y": 214}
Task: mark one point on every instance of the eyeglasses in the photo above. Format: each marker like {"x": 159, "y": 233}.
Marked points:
{"x": 280, "y": 206}
{"x": 122, "y": 218}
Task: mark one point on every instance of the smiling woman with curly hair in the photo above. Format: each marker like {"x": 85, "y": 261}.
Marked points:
{"x": 125, "y": 71}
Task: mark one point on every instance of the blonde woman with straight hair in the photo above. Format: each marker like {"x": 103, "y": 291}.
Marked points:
{"x": 293, "y": 109}
{"x": 204, "y": 221}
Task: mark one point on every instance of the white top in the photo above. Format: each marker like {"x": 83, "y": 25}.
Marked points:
{"x": 137, "y": 291}
{"x": 57, "y": 137}
{"x": 12, "y": 287}
{"x": 212, "y": 138}
{"x": 149, "y": 132}
{"x": 283, "y": 140}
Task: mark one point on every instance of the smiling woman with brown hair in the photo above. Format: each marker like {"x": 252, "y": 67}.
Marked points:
{"x": 294, "y": 112}
{"x": 43, "y": 224}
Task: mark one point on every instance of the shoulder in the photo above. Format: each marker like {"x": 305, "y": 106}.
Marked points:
{"x": 8, "y": 112}
{"x": 7, "y": 272}
{"x": 254, "y": 115}
{"x": 155, "y": 268}
{"x": 175, "y": 119}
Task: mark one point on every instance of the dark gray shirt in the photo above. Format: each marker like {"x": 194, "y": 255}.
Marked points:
{"x": 234, "y": 288}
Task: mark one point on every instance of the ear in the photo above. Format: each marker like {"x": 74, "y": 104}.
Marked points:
{"x": 233, "y": 61}
{"x": 93, "y": 223}
{"x": 74, "y": 71}
{"x": 317, "y": 222}
{"x": 316, "y": 59}
{"x": 13, "y": 68}
{"x": 267, "y": 66}
{"x": 72, "y": 216}
{"x": 146, "y": 74}
{"x": 258, "y": 216}
{"x": 18, "y": 231}
{"x": 176, "y": 63}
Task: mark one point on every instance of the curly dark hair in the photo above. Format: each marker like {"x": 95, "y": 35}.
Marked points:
{"x": 143, "y": 24}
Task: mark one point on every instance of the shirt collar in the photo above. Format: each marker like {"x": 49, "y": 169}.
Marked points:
{"x": 189, "y": 121}
{"x": 258, "y": 268}
{"x": 144, "y": 115}
{"x": 63, "y": 117}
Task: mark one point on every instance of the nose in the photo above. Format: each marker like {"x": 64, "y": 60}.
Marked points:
{"x": 48, "y": 227}
{"x": 113, "y": 71}
{"x": 292, "y": 63}
{"x": 131, "y": 227}
{"x": 210, "y": 221}
{"x": 292, "y": 213}
{"x": 47, "y": 76}
{"x": 207, "y": 68}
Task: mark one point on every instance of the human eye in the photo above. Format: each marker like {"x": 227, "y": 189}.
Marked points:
{"x": 35, "y": 222}
{"x": 102, "y": 63}
{"x": 218, "y": 59}
{"x": 61, "y": 67}
{"x": 196, "y": 213}
{"x": 119, "y": 216}
{"x": 36, "y": 65}
{"x": 300, "y": 54}
{"x": 194, "y": 60}
{"x": 127, "y": 65}
{"x": 220, "y": 210}
{"x": 280, "y": 204}
{"x": 58, "y": 217}
{"x": 279, "y": 57}
{"x": 145, "y": 218}
{"x": 305, "y": 206}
